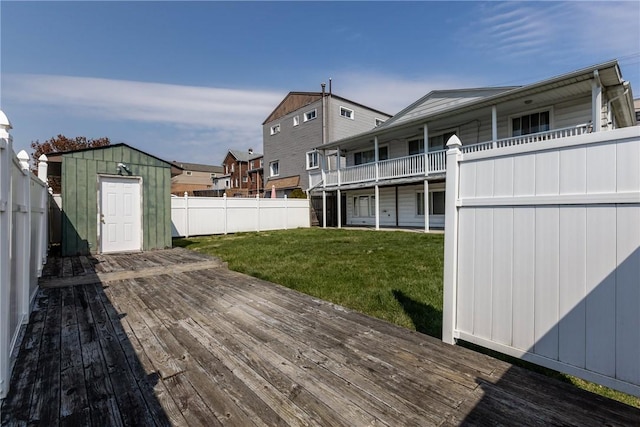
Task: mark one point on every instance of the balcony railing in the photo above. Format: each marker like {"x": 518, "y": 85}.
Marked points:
{"x": 528, "y": 139}
{"x": 409, "y": 166}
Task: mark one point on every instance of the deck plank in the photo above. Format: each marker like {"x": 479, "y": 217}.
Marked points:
{"x": 174, "y": 338}
{"x": 47, "y": 381}
{"x": 74, "y": 404}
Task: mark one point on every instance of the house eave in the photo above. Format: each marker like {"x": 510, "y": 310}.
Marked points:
{"x": 609, "y": 79}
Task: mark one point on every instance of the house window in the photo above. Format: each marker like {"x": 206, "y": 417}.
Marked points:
{"x": 233, "y": 167}
{"x": 346, "y": 113}
{"x": 236, "y": 182}
{"x": 364, "y": 206}
{"x": 379, "y": 122}
{"x": 310, "y": 115}
{"x": 369, "y": 156}
{"x": 437, "y": 206}
{"x": 420, "y": 203}
{"x": 296, "y": 120}
{"x": 436, "y": 203}
{"x": 244, "y": 179}
{"x": 416, "y": 146}
{"x": 312, "y": 160}
{"x": 439, "y": 142}
{"x": 274, "y": 168}
{"x": 261, "y": 162}
{"x": 530, "y": 123}
{"x": 188, "y": 173}
{"x": 251, "y": 164}
{"x": 275, "y": 129}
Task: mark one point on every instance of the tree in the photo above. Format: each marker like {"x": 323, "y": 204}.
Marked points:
{"x": 60, "y": 144}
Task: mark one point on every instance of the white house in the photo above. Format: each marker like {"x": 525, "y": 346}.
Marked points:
{"x": 393, "y": 178}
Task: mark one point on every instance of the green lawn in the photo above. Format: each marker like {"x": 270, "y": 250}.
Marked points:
{"x": 392, "y": 275}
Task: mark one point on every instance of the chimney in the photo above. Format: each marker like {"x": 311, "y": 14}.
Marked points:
{"x": 250, "y": 151}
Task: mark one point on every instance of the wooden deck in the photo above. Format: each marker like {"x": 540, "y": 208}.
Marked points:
{"x": 174, "y": 338}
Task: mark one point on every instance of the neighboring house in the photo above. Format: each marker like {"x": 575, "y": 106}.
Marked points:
{"x": 236, "y": 166}
{"x": 255, "y": 175}
{"x": 191, "y": 177}
{"x": 636, "y": 105}
{"x": 395, "y": 173}
{"x": 114, "y": 199}
{"x": 302, "y": 122}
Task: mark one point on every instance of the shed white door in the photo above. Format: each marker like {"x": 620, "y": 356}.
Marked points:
{"x": 120, "y": 219}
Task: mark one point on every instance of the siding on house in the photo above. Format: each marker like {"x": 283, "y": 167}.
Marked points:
{"x": 339, "y": 127}
{"x": 80, "y": 172}
{"x": 406, "y": 212}
{"x": 292, "y": 143}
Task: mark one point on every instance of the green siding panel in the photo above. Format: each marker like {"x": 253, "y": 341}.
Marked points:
{"x": 80, "y": 187}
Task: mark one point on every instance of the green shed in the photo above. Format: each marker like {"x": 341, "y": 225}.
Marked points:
{"x": 114, "y": 199}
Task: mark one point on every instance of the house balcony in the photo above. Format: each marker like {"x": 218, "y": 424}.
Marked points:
{"x": 427, "y": 165}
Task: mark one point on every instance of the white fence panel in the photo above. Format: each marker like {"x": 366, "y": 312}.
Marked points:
{"x": 198, "y": 216}
{"x": 23, "y": 243}
{"x": 542, "y": 254}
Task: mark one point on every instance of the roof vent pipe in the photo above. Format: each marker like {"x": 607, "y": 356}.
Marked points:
{"x": 330, "y": 86}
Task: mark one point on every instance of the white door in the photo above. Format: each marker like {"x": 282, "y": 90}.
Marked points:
{"x": 120, "y": 219}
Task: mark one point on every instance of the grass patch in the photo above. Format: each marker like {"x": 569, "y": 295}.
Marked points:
{"x": 395, "y": 275}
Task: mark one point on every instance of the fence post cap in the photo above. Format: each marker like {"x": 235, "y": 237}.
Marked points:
{"x": 43, "y": 158}
{"x": 4, "y": 121}
{"x": 454, "y": 141}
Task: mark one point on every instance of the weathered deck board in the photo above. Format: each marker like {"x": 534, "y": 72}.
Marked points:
{"x": 174, "y": 338}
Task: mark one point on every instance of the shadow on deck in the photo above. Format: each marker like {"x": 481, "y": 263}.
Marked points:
{"x": 174, "y": 338}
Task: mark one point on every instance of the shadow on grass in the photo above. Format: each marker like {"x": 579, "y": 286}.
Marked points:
{"x": 180, "y": 242}
{"x": 426, "y": 319}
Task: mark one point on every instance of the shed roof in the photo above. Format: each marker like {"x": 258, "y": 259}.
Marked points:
{"x": 120, "y": 144}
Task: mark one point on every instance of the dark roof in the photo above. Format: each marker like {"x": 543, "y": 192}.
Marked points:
{"x": 197, "y": 167}
{"x": 312, "y": 97}
{"x": 244, "y": 156}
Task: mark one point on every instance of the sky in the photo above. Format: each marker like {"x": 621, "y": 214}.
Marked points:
{"x": 188, "y": 81}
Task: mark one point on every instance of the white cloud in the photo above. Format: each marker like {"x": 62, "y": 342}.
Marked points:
{"x": 196, "y": 124}
{"x": 574, "y": 31}
{"x": 200, "y": 107}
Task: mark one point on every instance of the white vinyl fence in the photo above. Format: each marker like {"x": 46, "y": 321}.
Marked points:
{"x": 542, "y": 254}
{"x": 23, "y": 243}
{"x": 199, "y": 216}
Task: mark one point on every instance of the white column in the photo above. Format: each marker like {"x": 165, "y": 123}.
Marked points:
{"x": 426, "y": 206}
{"x": 377, "y": 159}
{"x": 6, "y": 227}
{"x": 425, "y": 136}
{"x": 324, "y": 209}
{"x": 377, "y": 195}
{"x": 596, "y": 102}
{"x": 339, "y": 205}
{"x": 338, "y": 166}
{"x": 449, "y": 305}
{"x": 494, "y": 124}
